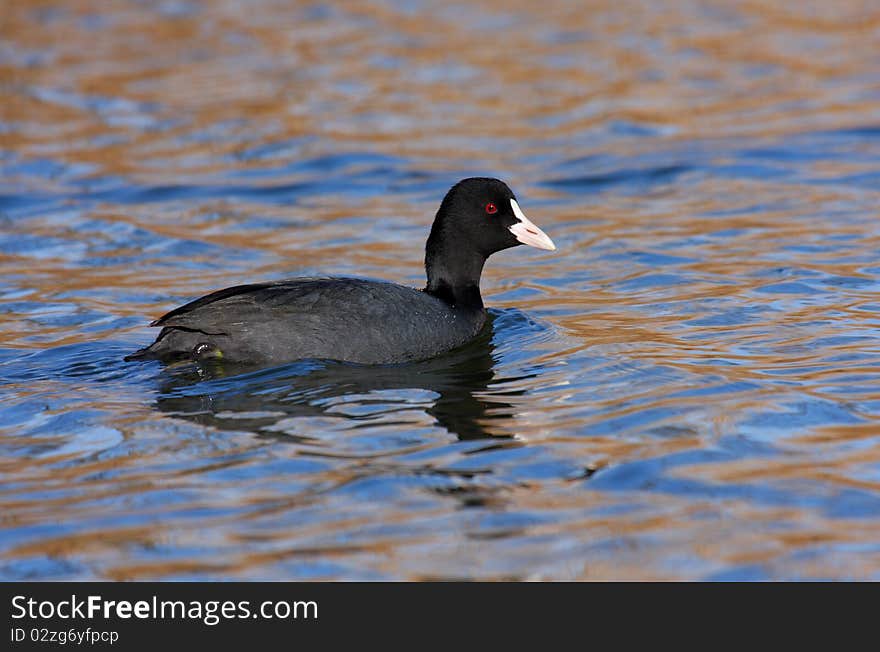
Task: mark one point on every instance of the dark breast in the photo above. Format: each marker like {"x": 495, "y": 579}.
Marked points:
{"x": 353, "y": 320}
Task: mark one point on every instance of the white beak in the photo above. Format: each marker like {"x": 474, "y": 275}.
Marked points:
{"x": 527, "y": 233}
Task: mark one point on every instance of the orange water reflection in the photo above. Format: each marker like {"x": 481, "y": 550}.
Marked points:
{"x": 704, "y": 401}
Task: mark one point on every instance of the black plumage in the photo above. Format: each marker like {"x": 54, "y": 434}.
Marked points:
{"x": 358, "y": 320}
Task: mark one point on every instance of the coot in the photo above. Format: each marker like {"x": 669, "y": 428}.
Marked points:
{"x": 356, "y": 320}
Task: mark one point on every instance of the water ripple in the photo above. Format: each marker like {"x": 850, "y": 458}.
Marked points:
{"x": 688, "y": 388}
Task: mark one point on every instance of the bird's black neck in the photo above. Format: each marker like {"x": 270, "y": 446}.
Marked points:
{"x": 467, "y": 296}
{"x": 453, "y": 271}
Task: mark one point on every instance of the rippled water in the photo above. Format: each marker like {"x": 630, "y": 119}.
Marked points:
{"x": 689, "y": 388}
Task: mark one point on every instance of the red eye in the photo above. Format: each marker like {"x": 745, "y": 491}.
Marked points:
{"x": 491, "y": 209}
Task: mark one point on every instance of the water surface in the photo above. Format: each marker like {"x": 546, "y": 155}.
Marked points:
{"x": 688, "y": 389}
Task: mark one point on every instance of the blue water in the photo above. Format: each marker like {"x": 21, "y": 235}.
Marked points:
{"x": 688, "y": 389}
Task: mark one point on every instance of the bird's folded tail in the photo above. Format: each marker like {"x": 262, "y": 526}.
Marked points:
{"x": 141, "y": 354}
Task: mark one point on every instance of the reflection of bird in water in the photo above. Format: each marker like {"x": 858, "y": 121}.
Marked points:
{"x": 213, "y": 395}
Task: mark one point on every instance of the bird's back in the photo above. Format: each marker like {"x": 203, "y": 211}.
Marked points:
{"x": 353, "y": 320}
